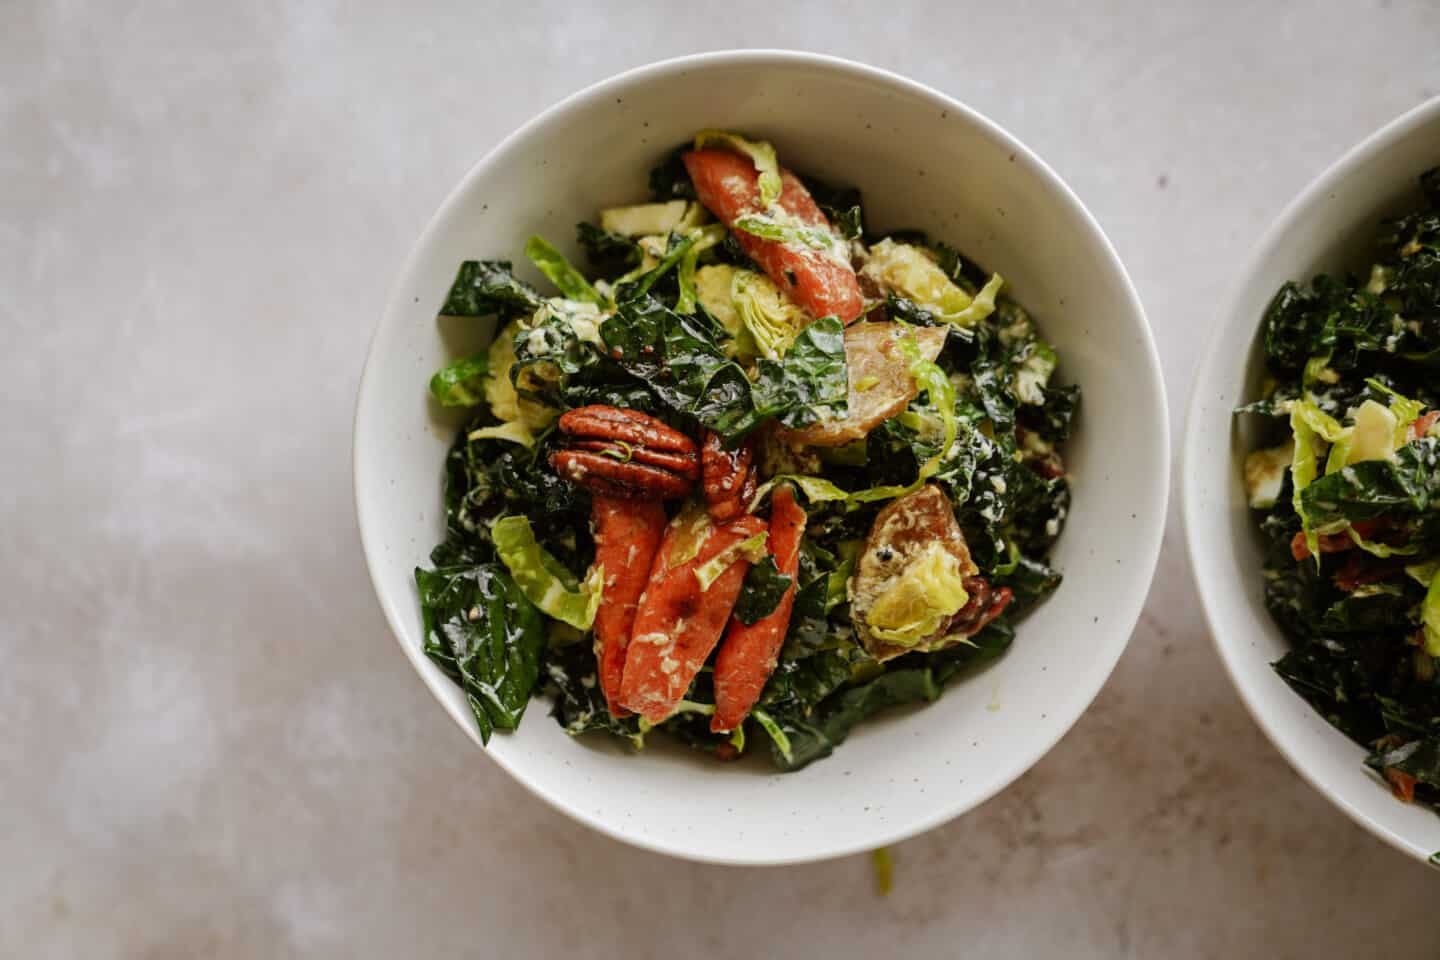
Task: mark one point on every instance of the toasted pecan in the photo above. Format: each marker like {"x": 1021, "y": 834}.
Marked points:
{"x": 625, "y": 453}
{"x": 631, "y": 426}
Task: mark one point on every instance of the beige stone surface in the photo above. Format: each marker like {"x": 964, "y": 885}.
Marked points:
{"x": 211, "y": 747}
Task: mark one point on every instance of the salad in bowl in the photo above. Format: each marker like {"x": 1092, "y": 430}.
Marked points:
{"x": 748, "y": 477}
{"x": 1345, "y": 496}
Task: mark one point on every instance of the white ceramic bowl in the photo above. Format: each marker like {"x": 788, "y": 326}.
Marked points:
{"x": 922, "y": 160}
{"x": 1331, "y": 225}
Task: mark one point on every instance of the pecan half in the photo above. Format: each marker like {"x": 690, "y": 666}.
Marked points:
{"x": 685, "y": 466}
{"x": 625, "y": 453}
{"x": 631, "y": 426}
{"x": 729, "y": 477}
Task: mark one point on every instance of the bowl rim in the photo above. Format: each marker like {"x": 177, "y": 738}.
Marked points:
{"x": 1215, "y": 353}
{"x": 1151, "y": 536}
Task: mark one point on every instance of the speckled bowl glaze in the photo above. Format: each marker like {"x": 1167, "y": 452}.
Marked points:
{"x": 1330, "y": 226}
{"x": 922, "y": 160}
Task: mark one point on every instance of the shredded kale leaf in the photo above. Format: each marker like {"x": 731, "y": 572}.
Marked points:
{"x": 764, "y": 587}
{"x": 841, "y": 206}
{"x": 552, "y": 362}
{"x": 485, "y": 479}
{"x": 681, "y": 359}
{"x": 486, "y": 287}
{"x": 814, "y": 709}
{"x": 480, "y": 629}
{"x": 669, "y": 180}
{"x": 569, "y": 675}
{"x": 608, "y": 253}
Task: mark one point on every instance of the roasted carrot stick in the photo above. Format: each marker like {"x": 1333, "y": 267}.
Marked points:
{"x": 821, "y": 279}
{"x": 627, "y": 535}
{"x": 747, "y": 657}
{"x": 678, "y": 622}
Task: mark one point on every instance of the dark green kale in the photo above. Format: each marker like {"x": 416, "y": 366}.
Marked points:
{"x": 660, "y": 282}
{"x": 486, "y": 287}
{"x": 482, "y": 631}
{"x": 764, "y": 587}
{"x": 836, "y": 716}
{"x": 1335, "y": 316}
{"x": 1037, "y": 512}
{"x": 1054, "y": 419}
{"x": 1332, "y": 681}
{"x": 1030, "y": 580}
{"x": 569, "y": 675}
{"x": 908, "y": 311}
{"x": 677, "y": 355}
{"x": 609, "y": 253}
{"x": 1410, "y": 262}
{"x": 893, "y": 455}
{"x": 691, "y": 724}
{"x": 989, "y": 644}
{"x": 485, "y": 479}
{"x": 812, "y": 627}
{"x": 1384, "y": 608}
{"x": 811, "y": 709}
{"x": 669, "y": 180}
{"x": 841, "y": 206}
{"x": 825, "y": 683}
{"x": 1407, "y": 483}
{"x": 551, "y": 360}
{"x": 1387, "y": 322}
{"x": 809, "y": 383}
{"x": 680, "y": 358}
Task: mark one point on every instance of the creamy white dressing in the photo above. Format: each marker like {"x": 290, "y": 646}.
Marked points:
{"x": 583, "y": 318}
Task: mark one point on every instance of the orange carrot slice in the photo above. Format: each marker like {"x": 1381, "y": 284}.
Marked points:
{"x": 820, "y": 280}
{"x": 678, "y": 623}
{"x": 748, "y": 655}
{"x": 627, "y": 536}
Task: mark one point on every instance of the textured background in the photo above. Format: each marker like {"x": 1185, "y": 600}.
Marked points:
{"x": 210, "y": 745}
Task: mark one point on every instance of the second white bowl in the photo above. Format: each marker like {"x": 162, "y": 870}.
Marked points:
{"x": 1330, "y": 226}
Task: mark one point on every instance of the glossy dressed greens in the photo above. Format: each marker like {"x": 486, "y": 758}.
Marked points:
{"x": 634, "y": 330}
{"x": 1349, "y": 501}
